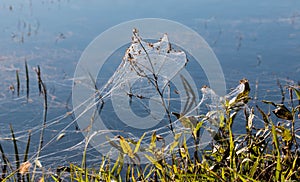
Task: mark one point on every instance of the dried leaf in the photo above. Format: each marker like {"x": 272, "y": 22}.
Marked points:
{"x": 112, "y": 143}
{"x": 38, "y": 163}
{"x": 24, "y": 168}
{"x": 268, "y": 102}
{"x": 250, "y": 119}
{"x": 282, "y": 112}
{"x": 60, "y": 136}
{"x": 41, "y": 179}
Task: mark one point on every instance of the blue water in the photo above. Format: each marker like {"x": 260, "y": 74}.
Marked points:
{"x": 257, "y": 40}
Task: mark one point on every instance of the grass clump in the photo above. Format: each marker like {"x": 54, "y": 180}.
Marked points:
{"x": 269, "y": 153}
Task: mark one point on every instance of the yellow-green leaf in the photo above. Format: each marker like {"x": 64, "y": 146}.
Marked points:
{"x": 137, "y": 147}
{"x": 173, "y": 145}
{"x": 286, "y": 135}
{"x": 126, "y": 147}
{"x": 116, "y": 163}
{"x": 153, "y": 141}
{"x": 187, "y": 122}
{"x": 184, "y": 149}
{"x": 198, "y": 126}
{"x": 153, "y": 161}
{"x": 222, "y": 119}
{"x": 297, "y": 92}
{"x": 177, "y": 136}
{"x": 278, "y": 163}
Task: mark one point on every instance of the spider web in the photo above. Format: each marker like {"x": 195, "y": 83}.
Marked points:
{"x": 144, "y": 77}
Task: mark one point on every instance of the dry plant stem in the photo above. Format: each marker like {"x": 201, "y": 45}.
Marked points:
{"x": 231, "y": 145}
{"x": 153, "y": 71}
{"x": 155, "y": 84}
{"x": 165, "y": 107}
{"x": 281, "y": 91}
{"x": 44, "y": 91}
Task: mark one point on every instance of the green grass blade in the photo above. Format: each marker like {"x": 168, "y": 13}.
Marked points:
{"x": 6, "y": 162}
{"x": 137, "y": 147}
{"x": 16, "y": 152}
{"x": 27, "y": 147}
{"x": 26, "y": 154}
{"x": 254, "y": 167}
{"x": 278, "y": 162}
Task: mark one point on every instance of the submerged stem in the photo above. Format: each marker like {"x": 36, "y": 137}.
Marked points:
{"x": 27, "y": 80}
{"x": 18, "y": 82}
